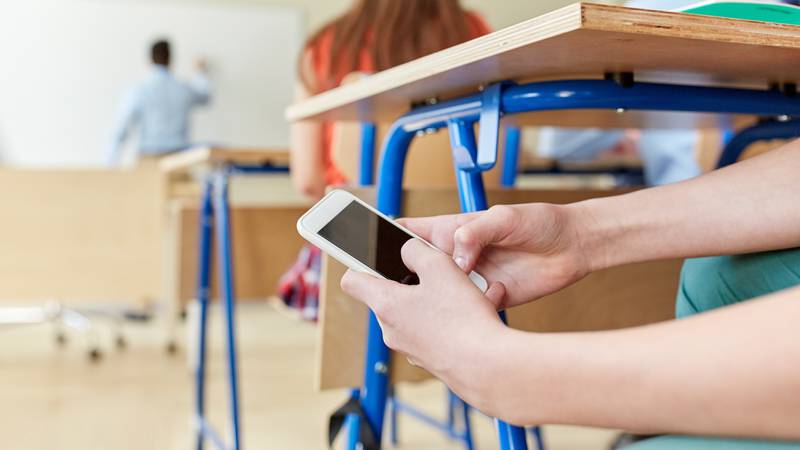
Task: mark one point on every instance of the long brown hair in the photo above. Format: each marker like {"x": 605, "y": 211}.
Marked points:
{"x": 392, "y": 32}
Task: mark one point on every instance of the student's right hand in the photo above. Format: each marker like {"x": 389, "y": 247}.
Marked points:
{"x": 533, "y": 249}
{"x": 201, "y": 65}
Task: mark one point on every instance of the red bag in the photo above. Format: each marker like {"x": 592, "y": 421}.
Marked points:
{"x": 299, "y": 285}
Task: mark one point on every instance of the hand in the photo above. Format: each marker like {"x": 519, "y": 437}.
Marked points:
{"x": 532, "y": 249}
{"x": 201, "y": 65}
{"x": 444, "y": 324}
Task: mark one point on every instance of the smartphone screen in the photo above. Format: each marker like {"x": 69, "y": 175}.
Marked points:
{"x": 371, "y": 239}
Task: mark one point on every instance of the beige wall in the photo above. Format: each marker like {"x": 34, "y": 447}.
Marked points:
{"x": 499, "y": 13}
{"x": 503, "y": 13}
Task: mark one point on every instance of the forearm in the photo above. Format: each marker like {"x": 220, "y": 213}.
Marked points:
{"x": 201, "y": 87}
{"x": 307, "y": 162}
{"x": 748, "y": 207}
{"x": 114, "y": 148}
{"x": 731, "y": 372}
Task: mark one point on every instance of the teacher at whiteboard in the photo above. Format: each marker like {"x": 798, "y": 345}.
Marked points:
{"x": 160, "y": 106}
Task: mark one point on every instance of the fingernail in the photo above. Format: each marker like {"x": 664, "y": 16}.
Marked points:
{"x": 461, "y": 262}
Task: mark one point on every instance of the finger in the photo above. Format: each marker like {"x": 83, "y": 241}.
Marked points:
{"x": 424, "y": 226}
{"x": 420, "y": 258}
{"x": 496, "y": 294}
{"x": 371, "y": 290}
{"x": 488, "y": 228}
{"x": 438, "y": 230}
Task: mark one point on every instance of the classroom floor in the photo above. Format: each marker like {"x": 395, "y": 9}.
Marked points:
{"x": 140, "y": 398}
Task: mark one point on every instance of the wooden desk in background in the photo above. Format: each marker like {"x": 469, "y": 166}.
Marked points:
{"x": 263, "y": 221}
{"x": 80, "y": 235}
{"x": 97, "y": 235}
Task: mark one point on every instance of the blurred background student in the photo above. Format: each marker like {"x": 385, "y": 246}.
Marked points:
{"x": 160, "y": 105}
{"x": 371, "y": 36}
{"x": 667, "y": 156}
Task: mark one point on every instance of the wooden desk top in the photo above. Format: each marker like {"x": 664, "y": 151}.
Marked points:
{"x": 578, "y": 41}
{"x": 204, "y": 156}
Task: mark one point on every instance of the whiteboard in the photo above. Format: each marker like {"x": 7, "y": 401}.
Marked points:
{"x": 65, "y": 65}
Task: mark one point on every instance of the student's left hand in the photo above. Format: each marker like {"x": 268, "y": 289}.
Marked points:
{"x": 445, "y": 324}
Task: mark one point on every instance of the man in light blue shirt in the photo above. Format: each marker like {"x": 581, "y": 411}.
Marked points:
{"x": 160, "y": 106}
{"x": 667, "y": 155}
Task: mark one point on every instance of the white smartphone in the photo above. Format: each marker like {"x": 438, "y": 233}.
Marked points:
{"x": 360, "y": 237}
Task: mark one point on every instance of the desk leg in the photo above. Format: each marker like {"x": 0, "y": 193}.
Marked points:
{"x": 451, "y": 412}
{"x": 375, "y": 391}
{"x": 366, "y": 178}
{"x": 465, "y": 413}
{"x": 226, "y": 280}
{"x": 367, "y": 158}
{"x": 455, "y": 403}
{"x": 204, "y": 274}
{"x": 537, "y": 437}
{"x": 759, "y": 132}
{"x": 172, "y": 278}
{"x": 352, "y": 425}
{"x": 510, "y": 157}
{"x": 376, "y": 377}
{"x": 473, "y": 198}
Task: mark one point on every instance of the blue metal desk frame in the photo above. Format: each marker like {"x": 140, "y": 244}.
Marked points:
{"x": 772, "y": 129}
{"x": 471, "y": 158}
{"x": 215, "y": 216}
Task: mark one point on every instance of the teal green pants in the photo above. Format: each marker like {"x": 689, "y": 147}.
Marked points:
{"x": 709, "y": 283}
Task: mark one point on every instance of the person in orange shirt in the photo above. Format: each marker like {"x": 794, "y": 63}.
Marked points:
{"x": 373, "y": 35}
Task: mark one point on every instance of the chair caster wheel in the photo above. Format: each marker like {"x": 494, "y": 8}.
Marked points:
{"x": 95, "y": 355}
{"x": 121, "y": 343}
{"x": 61, "y": 339}
{"x": 172, "y": 348}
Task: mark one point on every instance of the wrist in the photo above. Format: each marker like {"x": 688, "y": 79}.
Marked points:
{"x": 478, "y": 371}
{"x": 519, "y": 369}
{"x": 597, "y": 233}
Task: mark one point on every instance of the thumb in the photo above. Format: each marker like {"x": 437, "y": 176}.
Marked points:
{"x": 489, "y": 228}
{"x": 421, "y": 258}
{"x": 496, "y": 294}
{"x": 366, "y": 288}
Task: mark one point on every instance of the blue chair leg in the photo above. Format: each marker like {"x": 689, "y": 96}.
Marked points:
{"x": 351, "y": 423}
{"x": 393, "y": 432}
{"x": 204, "y": 275}
{"x": 460, "y": 408}
{"x": 366, "y": 178}
{"x": 374, "y": 393}
{"x": 467, "y": 427}
{"x": 537, "y": 437}
{"x": 227, "y": 295}
{"x": 451, "y": 412}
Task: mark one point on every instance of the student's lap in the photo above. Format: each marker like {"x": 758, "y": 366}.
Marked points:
{"x": 714, "y": 282}
{"x": 704, "y": 443}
